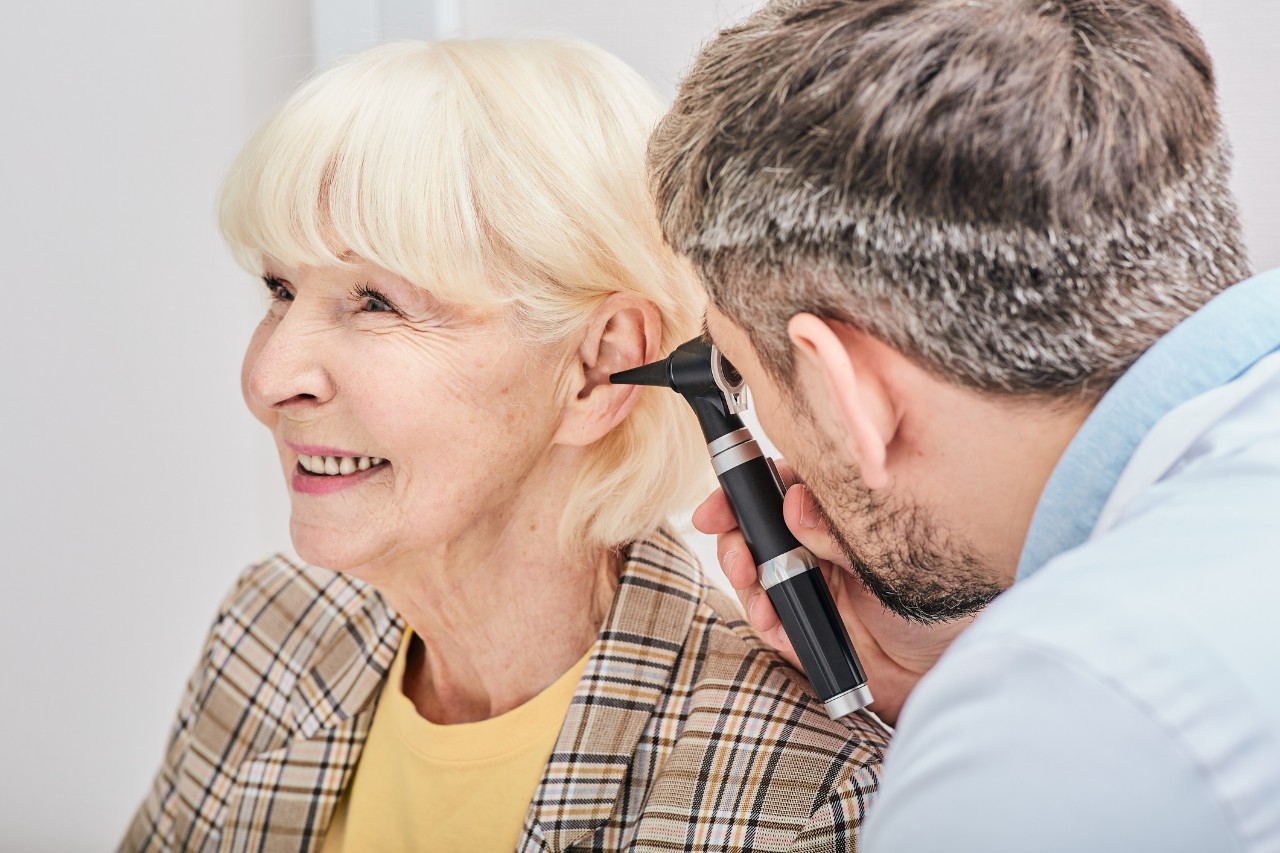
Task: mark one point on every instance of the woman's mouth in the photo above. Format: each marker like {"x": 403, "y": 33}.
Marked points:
{"x": 324, "y": 475}
{"x": 337, "y": 466}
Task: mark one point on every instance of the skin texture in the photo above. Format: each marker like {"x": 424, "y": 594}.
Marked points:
{"x": 483, "y": 437}
{"x": 919, "y": 493}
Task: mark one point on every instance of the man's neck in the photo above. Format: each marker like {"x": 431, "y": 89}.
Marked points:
{"x": 988, "y": 460}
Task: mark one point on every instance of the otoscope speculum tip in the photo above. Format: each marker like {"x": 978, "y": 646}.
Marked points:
{"x": 654, "y": 373}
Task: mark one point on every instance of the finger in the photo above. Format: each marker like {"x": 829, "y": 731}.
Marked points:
{"x": 714, "y": 515}
{"x": 764, "y": 619}
{"x": 736, "y": 562}
{"x": 760, "y": 613}
{"x": 782, "y": 642}
{"x": 800, "y": 511}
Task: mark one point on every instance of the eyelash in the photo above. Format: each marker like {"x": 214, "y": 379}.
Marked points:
{"x": 280, "y": 293}
{"x": 364, "y": 291}
{"x": 279, "y": 290}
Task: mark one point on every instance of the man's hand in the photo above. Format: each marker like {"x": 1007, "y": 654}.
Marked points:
{"x": 896, "y": 653}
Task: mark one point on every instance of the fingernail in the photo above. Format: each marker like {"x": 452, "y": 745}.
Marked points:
{"x": 727, "y": 560}
{"x": 808, "y": 517}
{"x": 751, "y": 604}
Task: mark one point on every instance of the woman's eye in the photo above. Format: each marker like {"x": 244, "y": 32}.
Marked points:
{"x": 280, "y": 291}
{"x": 373, "y": 301}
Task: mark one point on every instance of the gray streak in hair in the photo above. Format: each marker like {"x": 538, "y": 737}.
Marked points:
{"x": 1021, "y": 195}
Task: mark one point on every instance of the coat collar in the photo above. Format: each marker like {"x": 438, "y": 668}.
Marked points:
{"x": 313, "y": 647}
{"x": 628, "y": 672}
{"x": 659, "y": 589}
{"x": 356, "y": 654}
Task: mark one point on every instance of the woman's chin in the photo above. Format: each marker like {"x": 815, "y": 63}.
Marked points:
{"x": 329, "y": 549}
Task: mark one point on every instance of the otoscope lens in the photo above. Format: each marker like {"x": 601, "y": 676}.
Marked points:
{"x": 729, "y": 382}
{"x": 730, "y": 373}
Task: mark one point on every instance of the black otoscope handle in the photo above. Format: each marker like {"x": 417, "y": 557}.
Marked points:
{"x": 791, "y": 577}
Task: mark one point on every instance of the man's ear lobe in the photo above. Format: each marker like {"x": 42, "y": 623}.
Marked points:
{"x": 828, "y": 353}
{"x": 625, "y": 332}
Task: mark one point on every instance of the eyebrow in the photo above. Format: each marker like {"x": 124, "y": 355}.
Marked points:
{"x": 706, "y": 333}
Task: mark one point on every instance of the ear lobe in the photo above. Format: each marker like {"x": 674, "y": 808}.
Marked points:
{"x": 853, "y": 398}
{"x": 625, "y": 332}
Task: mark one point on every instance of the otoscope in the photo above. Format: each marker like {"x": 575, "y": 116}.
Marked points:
{"x": 788, "y": 571}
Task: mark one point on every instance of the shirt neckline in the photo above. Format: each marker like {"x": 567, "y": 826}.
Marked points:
{"x": 1214, "y": 345}
{"x": 533, "y": 723}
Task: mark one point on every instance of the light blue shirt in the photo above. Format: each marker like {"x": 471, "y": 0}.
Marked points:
{"x": 1125, "y": 694}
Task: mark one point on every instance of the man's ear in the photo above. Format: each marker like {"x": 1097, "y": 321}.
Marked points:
{"x": 830, "y": 360}
{"x": 625, "y": 332}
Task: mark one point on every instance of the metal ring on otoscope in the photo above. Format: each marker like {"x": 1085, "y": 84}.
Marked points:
{"x": 735, "y": 456}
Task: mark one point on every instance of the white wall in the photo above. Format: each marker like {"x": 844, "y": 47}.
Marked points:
{"x": 1242, "y": 37}
{"x": 135, "y": 485}
{"x": 131, "y": 488}
{"x": 658, "y": 37}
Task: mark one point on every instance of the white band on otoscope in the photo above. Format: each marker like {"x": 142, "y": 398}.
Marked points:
{"x": 785, "y": 566}
{"x": 732, "y": 439}
{"x": 847, "y": 702}
{"x": 735, "y": 456}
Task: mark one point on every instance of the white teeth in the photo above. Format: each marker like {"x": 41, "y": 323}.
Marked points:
{"x": 334, "y": 466}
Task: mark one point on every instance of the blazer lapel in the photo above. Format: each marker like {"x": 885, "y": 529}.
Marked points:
{"x": 626, "y": 677}
{"x": 285, "y": 799}
{"x": 288, "y": 795}
{"x": 348, "y": 674}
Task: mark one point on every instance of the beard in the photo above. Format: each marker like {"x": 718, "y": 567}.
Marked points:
{"x": 915, "y": 567}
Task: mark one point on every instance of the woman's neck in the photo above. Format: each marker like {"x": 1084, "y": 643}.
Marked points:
{"x": 497, "y": 618}
{"x": 516, "y": 645}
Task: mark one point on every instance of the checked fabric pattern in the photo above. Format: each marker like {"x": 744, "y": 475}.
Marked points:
{"x": 685, "y": 733}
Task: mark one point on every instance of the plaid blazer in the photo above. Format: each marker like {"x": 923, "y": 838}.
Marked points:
{"x": 685, "y": 732}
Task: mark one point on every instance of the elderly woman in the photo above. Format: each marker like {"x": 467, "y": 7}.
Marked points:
{"x": 504, "y": 648}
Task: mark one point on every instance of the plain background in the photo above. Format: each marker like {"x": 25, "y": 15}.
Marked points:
{"x": 136, "y": 484}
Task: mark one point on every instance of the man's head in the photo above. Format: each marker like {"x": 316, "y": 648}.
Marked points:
{"x": 993, "y": 207}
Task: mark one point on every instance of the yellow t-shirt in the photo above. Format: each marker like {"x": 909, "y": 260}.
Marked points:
{"x": 421, "y": 786}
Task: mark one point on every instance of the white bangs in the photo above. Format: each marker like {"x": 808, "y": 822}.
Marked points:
{"x": 487, "y": 172}
{"x": 365, "y": 160}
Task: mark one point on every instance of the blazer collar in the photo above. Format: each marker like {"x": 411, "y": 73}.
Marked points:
{"x": 628, "y": 672}
{"x": 347, "y": 675}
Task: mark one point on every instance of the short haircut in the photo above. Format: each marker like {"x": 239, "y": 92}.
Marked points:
{"x": 1020, "y": 195}
{"x": 496, "y": 173}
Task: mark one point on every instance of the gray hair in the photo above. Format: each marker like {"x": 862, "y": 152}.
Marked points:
{"x": 1020, "y": 195}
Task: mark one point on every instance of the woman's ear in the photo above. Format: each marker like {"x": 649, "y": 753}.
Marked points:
{"x": 625, "y": 332}
{"x": 833, "y": 362}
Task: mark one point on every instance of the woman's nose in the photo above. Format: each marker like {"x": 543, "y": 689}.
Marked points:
{"x": 285, "y": 366}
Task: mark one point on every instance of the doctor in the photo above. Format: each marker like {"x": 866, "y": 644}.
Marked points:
{"x": 980, "y": 266}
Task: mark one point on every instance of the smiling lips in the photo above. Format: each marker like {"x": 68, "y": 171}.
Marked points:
{"x": 324, "y": 474}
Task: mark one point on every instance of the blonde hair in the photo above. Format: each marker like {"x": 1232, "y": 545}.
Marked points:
{"x": 493, "y": 173}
